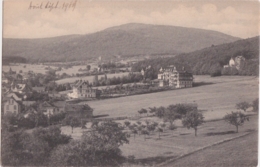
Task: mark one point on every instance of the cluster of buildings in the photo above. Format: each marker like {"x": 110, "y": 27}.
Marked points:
{"x": 176, "y": 78}
{"x": 15, "y": 103}
{"x": 237, "y": 62}
{"x": 15, "y": 99}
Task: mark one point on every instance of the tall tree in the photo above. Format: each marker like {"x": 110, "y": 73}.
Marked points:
{"x": 192, "y": 120}
{"x": 98, "y": 147}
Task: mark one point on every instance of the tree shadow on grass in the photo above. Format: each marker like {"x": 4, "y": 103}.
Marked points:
{"x": 220, "y": 133}
{"x": 183, "y": 134}
{"x": 165, "y": 135}
{"x": 195, "y": 84}
{"x": 250, "y": 130}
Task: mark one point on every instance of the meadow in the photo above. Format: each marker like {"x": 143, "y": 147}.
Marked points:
{"x": 182, "y": 140}
{"x": 216, "y": 97}
{"x": 25, "y": 68}
{"x": 210, "y": 142}
{"x": 240, "y": 152}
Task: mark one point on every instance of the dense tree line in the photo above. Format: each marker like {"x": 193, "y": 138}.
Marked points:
{"x": 20, "y": 148}
{"x": 13, "y": 59}
{"x": 211, "y": 60}
{"x": 49, "y": 147}
{"x": 130, "y": 78}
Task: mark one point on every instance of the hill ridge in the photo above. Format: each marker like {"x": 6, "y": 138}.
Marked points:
{"x": 149, "y": 40}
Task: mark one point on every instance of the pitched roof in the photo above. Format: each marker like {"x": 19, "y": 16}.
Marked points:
{"x": 46, "y": 104}
{"x": 8, "y": 98}
{"x": 17, "y": 94}
{"x": 79, "y": 83}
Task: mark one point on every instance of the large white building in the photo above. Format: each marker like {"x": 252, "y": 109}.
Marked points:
{"x": 81, "y": 89}
{"x": 172, "y": 77}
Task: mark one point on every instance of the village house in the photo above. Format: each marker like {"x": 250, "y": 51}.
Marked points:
{"x": 48, "y": 109}
{"x": 30, "y": 110}
{"x": 12, "y": 106}
{"x": 237, "y": 62}
{"x": 173, "y": 77}
{"x": 81, "y": 89}
{"x": 60, "y": 105}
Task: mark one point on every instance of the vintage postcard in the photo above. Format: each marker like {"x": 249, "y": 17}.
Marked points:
{"x": 130, "y": 83}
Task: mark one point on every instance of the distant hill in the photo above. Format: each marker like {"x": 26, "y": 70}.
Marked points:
{"x": 125, "y": 40}
{"x": 212, "y": 59}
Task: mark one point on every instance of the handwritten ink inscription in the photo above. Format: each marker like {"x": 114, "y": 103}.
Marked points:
{"x": 53, "y": 5}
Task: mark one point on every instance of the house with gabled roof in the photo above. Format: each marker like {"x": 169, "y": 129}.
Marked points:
{"x": 176, "y": 78}
{"x": 48, "y": 109}
{"x": 12, "y": 106}
{"x": 30, "y": 110}
{"x": 81, "y": 89}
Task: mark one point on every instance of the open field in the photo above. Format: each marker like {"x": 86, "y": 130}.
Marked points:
{"x": 216, "y": 97}
{"x": 173, "y": 144}
{"x": 182, "y": 140}
{"x": 29, "y": 67}
{"x": 241, "y": 152}
{"x": 88, "y": 78}
{"x": 40, "y": 68}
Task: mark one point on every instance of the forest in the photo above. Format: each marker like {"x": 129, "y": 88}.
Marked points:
{"x": 210, "y": 61}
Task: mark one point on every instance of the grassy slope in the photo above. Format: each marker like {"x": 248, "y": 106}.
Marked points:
{"x": 240, "y": 152}
{"x": 183, "y": 141}
{"x": 154, "y": 151}
{"x": 217, "y": 99}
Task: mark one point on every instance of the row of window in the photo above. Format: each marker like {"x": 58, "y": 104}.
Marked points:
{"x": 185, "y": 82}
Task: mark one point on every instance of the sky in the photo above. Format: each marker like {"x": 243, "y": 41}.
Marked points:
{"x": 31, "y": 18}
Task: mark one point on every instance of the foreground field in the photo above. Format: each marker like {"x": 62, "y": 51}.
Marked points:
{"x": 152, "y": 151}
{"x": 216, "y": 97}
{"x": 241, "y": 152}
{"x": 182, "y": 140}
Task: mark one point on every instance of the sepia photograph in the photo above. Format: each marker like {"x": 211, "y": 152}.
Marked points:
{"x": 130, "y": 83}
